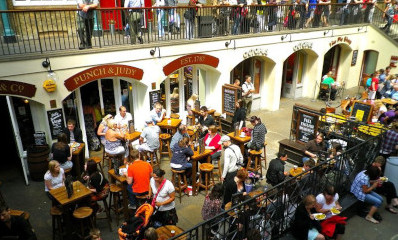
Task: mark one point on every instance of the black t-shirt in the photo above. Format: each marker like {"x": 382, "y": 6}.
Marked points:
{"x": 97, "y": 181}
{"x": 206, "y": 122}
{"x": 19, "y": 227}
{"x": 60, "y": 152}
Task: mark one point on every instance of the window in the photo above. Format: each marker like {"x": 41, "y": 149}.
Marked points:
{"x": 43, "y": 2}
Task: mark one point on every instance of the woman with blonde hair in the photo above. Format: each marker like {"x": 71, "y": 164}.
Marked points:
{"x": 191, "y": 103}
{"x": 54, "y": 177}
{"x": 113, "y": 139}
{"x": 103, "y": 127}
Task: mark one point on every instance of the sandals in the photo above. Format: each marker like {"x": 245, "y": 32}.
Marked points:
{"x": 391, "y": 210}
{"x": 372, "y": 220}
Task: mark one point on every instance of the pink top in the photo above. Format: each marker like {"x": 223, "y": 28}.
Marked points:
{"x": 214, "y": 142}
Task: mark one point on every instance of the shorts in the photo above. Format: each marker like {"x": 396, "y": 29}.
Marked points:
{"x": 312, "y": 233}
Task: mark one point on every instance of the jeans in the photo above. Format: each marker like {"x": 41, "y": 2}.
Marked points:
{"x": 189, "y": 26}
{"x": 160, "y": 13}
{"x": 374, "y": 199}
{"x": 237, "y": 21}
{"x": 134, "y": 26}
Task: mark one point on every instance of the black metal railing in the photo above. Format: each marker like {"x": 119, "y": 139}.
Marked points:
{"x": 272, "y": 211}
{"x": 43, "y": 31}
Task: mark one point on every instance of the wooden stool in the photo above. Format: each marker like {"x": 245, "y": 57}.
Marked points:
{"x": 207, "y": 170}
{"x": 174, "y": 116}
{"x": 179, "y": 175}
{"x": 217, "y": 120}
{"x": 109, "y": 158}
{"x": 82, "y": 214}
{"x": 217, "y": 170}
{"x": 97, "y": 160}
{"x": 107, "y": 212}
{"x": 151, "y": 156}
{"x": 141, "y": 200}
{"x": 190, "y": 120}
{"x": 20, "y": 213}
{"x": 256, "y": 155}
{"x": 56, "y": 215}
{"x": 164, "y": 140}
{"x": 115, "y": 193}
{"x": 264, "y": 158}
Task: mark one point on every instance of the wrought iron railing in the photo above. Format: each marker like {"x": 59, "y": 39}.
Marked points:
{"x": 272, "y": 211}
{"x": 43, "y": 31}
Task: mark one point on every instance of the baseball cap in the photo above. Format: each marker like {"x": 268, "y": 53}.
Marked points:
{"x": 224, "y": 139}
{"x": 148, "y": 120}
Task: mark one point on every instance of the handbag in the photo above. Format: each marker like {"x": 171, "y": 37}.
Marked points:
{"x": 156, "y": 195}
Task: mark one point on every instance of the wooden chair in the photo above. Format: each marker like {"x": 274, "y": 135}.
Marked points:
{"x": 164, "y": 140}
{"x": 83, "y": 214}
{"x": 115, "y": 193}
{"x": 324, "y": 91}
{"x": 217, "y": 119}
{"x": 151, "y": 155}
{"x": 217, "y": 169}
{"x": 97, "y": 160}
{"x": 256, "y": 156}
{"x": 177, "y": 177}
{"x": 207, "y": 170}
{"x": 56, "y": 216}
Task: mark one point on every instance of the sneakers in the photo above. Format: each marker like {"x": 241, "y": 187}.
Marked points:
{"x": 132, "y": 206}
{"x": 372, "y": 220}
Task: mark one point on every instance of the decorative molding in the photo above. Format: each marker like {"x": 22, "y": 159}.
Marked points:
{"x": 255, "y": 52}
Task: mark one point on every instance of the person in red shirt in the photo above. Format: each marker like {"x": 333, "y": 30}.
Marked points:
{"x": 211, "y": 142}
{"x": 138, "y": 175}
{"x": 374, "y": 86}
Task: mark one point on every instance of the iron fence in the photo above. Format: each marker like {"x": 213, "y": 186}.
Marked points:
{"x": 43, "y": 31}
{"x": 271, "y": 212}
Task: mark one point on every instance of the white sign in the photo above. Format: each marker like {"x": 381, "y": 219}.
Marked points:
{"x": 303, "y": 45}
{"x": 255, "y": 52}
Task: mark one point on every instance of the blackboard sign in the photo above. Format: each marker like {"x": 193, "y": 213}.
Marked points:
{"x": 362, "y": 111}
{"x": 56, "y": 121}
{"x": 229, "y": 96}
{"x": 154, "y": 96}
{"x": 307, "y": 126}
{"x": 40, "y": 138}
{"x": 354, "y": 57}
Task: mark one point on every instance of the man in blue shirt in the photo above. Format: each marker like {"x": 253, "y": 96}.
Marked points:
{"x": 134, "y": 19}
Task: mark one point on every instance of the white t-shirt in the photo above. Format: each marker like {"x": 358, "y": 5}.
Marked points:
{"x": 247, "y": 87}
{"x": 123, "y": 122}
{"x": 320, "y": 199}
{"x": 163, "y": 195}
{"x": 56, "y": 182}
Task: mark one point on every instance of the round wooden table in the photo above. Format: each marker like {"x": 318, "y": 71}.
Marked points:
{"x": 164, "y": 232}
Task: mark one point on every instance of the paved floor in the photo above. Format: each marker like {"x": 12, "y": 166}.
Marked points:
{"x": 33, "y": 199}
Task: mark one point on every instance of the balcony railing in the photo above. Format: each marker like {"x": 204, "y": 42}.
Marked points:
{"x": 43, "y": 31}
{"x": 271, "y": 212}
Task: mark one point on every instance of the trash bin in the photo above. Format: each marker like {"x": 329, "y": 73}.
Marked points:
{"x": 392, "y": 170}
{"x": 38, "y": 161}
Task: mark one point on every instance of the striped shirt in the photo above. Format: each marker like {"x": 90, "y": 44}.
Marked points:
{"x": 258, "y": 135}
{"x": 389, "y": 142}
{"x": 356, "y": 187}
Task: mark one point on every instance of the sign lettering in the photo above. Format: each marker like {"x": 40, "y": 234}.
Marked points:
{"x": 255, "y": 52}
{"x": 190, "y": 60}
{"x": 303, "y": 45}
{"x": 17, "y": 88}
{"x": 340, "y": 40}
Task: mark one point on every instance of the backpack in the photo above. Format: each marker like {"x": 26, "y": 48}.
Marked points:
{"x": 369, "y": 82}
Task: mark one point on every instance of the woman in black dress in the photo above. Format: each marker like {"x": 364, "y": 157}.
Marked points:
{"x": 62, "y": 152}
{"x": 239, "y": 115}
{"x": 97, "y": 183}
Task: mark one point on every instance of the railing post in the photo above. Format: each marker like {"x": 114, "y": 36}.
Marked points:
{"x": 97, "y": 31}
{"x": 9, "y": 34}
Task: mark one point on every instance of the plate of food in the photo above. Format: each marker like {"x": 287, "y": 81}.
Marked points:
{"x": 319, "y": 216}
{"x": 335, "y": 211}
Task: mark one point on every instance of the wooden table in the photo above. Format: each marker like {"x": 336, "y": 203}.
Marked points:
{"x": 174, "y": 123}
{"x": 194, "y": 159}
{"x": 389, "y": 101}
{"x": 294, "y": 172}
{"x": 228, "y": 206}
{"x": 164, "y": 232}
{"x": 239, "y": 140}
{"x": 79, "y": 192}
{"x": 123, "y": 180}
{"x": 78, "y": 158}
{"x": 132, "y": 136}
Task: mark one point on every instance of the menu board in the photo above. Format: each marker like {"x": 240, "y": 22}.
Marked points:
{"x": 56, "y": 121}
{"x": 307, "y": 126}
{"x": 154, "y": 96}
{"x": 354, "y": 57}
{"x": 229, "y": 96}
{"x": 362, "y": 111}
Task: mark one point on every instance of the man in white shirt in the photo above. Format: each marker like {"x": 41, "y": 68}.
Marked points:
{"x": 232, "y": 158}
{"x": 134, "y": 19}
{"x": 247, "y": 93}
{"x": 123, "y": 118}
{"x": 157, "y": 113}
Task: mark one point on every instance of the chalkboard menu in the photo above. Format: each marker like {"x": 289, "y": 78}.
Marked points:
{"x": 229, "y": 96}
{"x": 307, "y": 126}
{"x": 40, "y": 138}
{"x": 56, "y": 121}
{"x": 154, "y": 96}
{"x": 354, "y": 57}
{"x": 362, "y": 111}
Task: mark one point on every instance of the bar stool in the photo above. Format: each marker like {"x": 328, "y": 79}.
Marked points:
{"x": 264, "y": 158}
{"x": 174, "y": 116}
{"x": 83, "y": 214}
{"x": 179, "y": 175}
{"x": 256, "y": 155}
{"x": 217, "y": 119}
{"x": 56, "y": 215}
{"x": 114, "y": 193}
{"x": 164, "y": 140}
{"x": 141, "y": 200}
{"x": 97, "y": 160}
{"x": 154, "y": 162}
{"x": 207, "y": 170}
{"x": 217, "y": 169}
{"x": 109, "y": 158}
